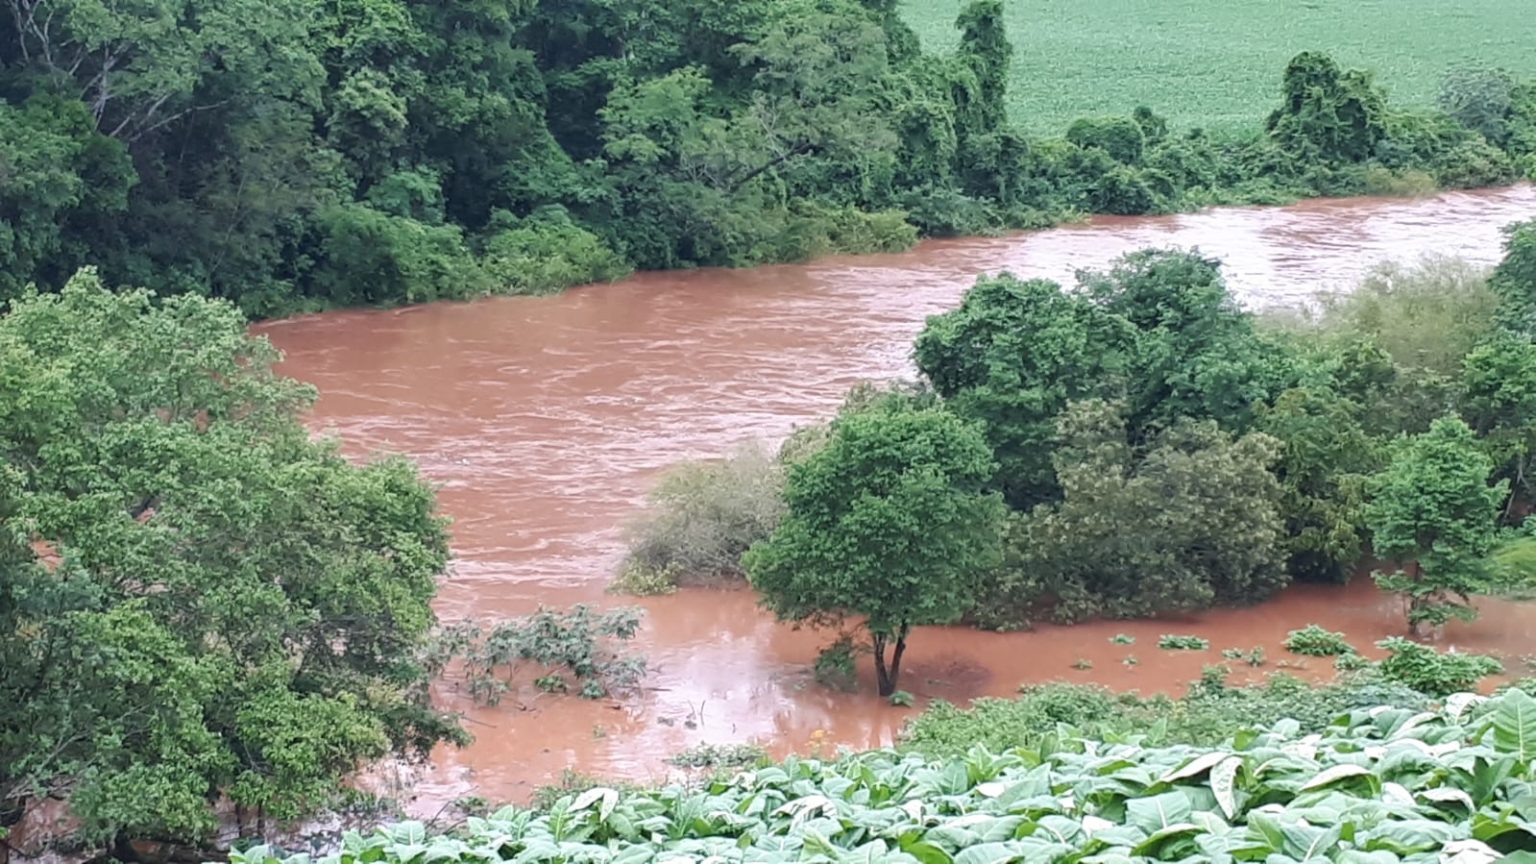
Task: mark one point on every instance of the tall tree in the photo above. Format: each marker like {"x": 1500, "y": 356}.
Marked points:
{"x": 1434, "y": 512}
{"x": 887, "y": 523}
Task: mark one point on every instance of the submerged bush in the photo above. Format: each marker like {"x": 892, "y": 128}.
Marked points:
{"x": 572, "y": 650}
{"x": 1314, "y": 641}
{"x": 1429, "y": 671}
{"x": 703, "y": 516}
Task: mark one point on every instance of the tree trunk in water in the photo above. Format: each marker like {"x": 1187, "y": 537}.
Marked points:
{"x": 901, "y": 648}
{"x": 883, "y": 681}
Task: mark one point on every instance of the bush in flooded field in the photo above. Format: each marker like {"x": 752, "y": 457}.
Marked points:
{"x": 1429, "y": 671}
{"x": 574, "y": 650}
{"x": 1314, "y": 641}
{"x": 702, "y": 517}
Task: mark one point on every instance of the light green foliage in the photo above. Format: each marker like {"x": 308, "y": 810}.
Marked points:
{"x": 1433, "y": 511}
{"x": 1107, "y": 57}
{"x": 1208, "y": 713}
{"x": 1176, "y": 642}
{"x": 704, "y": 515}
{"x": 889, "y": 523}
{"x": 1192, "y": 523}
{"x": 226, "y": 606}
{"x": 574, "y": 650}
{"x": 549, "y": 254}
{"x": 1512, "y": 567}
{"x": 1384, "y": 784}
{"x": 1122, "y": 639}
{"x": 720, "y": 756}
{"x": 1429, "y": 671}
{"x": 1315, "y": 641}
{"x": 1480, "y": 99}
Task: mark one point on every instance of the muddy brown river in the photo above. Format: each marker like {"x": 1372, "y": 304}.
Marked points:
{"x": 545, "y": 420}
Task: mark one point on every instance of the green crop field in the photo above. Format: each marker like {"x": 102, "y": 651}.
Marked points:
{"x": 1217, "y": 63}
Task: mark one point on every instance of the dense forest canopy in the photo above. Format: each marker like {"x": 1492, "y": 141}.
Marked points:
{"x": 296, "y": 154}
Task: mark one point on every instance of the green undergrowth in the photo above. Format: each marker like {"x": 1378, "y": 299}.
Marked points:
{"x": 1378, "y": 784}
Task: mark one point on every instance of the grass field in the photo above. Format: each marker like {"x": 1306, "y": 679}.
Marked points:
{"x": 1217, "y": 63}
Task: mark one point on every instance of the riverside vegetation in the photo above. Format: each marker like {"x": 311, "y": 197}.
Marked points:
{"x": 1142, "y": 446}
{"x": 291, "y": 154}
{"x": 204, "y": 610}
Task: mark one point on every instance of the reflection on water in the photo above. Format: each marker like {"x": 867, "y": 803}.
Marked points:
{"x": 544, "y": 420}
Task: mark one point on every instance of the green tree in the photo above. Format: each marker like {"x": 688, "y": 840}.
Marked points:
{"x": 1012, "y": 356}
{"x": 1499, "y": 403}
{"x": 1326, "y": 113}
{"x": 1514, "y": 280}
{"x": 1433, "y": 510}
{"x": 1325, "y": 459}
{"x": 888, "y": 523}
{"x": 229, "y": 607}
{"x": 1190, "y": 521}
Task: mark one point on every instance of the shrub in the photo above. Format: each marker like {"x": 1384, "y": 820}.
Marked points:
{"x": 703, "y": 516}
{"x": 720, "y": 756}
{"x": 1314, "y": 641}
{"x": 837, "y": 665}
{"x": 571, "y": 648}
{"x": 1172, "y": 642}
{"x": 642, "y": 580}
{"x": 371, "y": 257}
{"x": 549, "y": 253}
{"x": 1429, "y": 671}
{"x": 1121, "y": 137}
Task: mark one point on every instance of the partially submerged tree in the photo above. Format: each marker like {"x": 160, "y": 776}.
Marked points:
{"x": 888, "y": 523}
{"x": 1433, "y": 511}
{"x": 1191, "y": 521}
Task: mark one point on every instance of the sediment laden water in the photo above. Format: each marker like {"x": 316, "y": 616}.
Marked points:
{"x": 545, "y": 421}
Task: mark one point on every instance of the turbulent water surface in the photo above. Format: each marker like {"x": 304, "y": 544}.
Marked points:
{"x": 544, "y": 421}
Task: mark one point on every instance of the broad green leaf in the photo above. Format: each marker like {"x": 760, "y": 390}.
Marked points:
{"x": 1335, "y": 774}
{"x": 1224, "y": 784}
{"x": 1514, "y": 725}
{"x": 1159, "y": 811}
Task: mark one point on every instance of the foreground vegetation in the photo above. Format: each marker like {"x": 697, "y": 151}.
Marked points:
{"x": 299, "y": 154}
{"x": 1205, "y": 63}
{"x": 1382, "y": 784}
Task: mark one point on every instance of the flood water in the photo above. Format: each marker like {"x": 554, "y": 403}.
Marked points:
{"x": 544, "y": 421}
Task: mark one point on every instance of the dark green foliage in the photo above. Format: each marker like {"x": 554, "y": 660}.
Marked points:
{"x": 888, "y": 523}
{"x": 1325, "y": 458}
{"x": 1429, "y": 671}
{"x": 1191, "y": 522}
{"x": 1122, "y": 138}
{"x": 210, "y": 605}
{"x": 1326, "y": 113}
{"x": 1514, "y": 281}
{"x": 295, "y": 154}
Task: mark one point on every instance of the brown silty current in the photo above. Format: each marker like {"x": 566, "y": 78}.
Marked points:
{"x": 544, "y": 421}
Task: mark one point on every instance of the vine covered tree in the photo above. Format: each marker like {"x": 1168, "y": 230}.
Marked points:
{"x": 888, "y": 523}
{"x": 1433, "y": 511}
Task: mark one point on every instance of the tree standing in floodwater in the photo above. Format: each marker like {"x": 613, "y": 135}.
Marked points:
{"x": 889, "y": 522}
